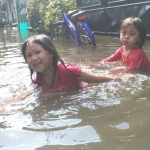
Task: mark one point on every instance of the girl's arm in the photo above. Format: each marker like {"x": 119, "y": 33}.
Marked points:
{"x": 118, "y": 69}
{"x": 114, "y": 57}
{"x": 90, "y": 77}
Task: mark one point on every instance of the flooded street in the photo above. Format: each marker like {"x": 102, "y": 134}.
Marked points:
{"x": 106, "y": 116}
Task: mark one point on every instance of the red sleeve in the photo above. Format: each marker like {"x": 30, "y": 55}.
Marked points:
{"x": 138, "y": 60}
{"x": 69, "y": 76}
{"x": 70, "y": 73}
{"x": 74, "y": 69}
{"x": 114, "y": 57}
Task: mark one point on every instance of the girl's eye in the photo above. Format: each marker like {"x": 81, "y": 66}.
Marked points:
{"x": 28, "y": 56}
{"x": 123, "y": 33}
{"x": 132, "y": 33}
{"x": 37, "y": 52}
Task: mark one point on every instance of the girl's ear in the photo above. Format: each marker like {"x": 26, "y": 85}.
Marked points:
{"x": 51, "y": 55}
{"x": 139, "y": 42}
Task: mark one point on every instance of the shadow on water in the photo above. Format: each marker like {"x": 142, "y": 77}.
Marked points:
{"x": 107, "y": 116}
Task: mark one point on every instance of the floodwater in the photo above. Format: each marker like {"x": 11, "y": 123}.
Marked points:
{"x": 106, "y": 116}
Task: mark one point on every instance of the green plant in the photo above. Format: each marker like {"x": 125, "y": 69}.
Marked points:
{"x": 41, "y": 16}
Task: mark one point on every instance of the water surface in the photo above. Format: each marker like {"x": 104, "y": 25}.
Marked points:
{"x": 106, "y": 116}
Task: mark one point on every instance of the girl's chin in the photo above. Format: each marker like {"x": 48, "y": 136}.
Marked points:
{"x": 40, "y": 71}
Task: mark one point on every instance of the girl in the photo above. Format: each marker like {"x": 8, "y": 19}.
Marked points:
{"x": 51, "y": 71}
{"x": 132, "y": 38}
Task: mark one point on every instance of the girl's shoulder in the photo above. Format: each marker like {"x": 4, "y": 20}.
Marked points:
{"x": 67, "y": 67}
{"x": 138, "y": 51}
{"x": 120, "y": 49}
{"x": 66, "y": 64}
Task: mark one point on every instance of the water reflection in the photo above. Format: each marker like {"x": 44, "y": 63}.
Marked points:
{"x": 113, "y": 115}
{"x": 122, "y": 126}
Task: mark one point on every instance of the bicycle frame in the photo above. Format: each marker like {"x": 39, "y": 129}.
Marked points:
{"x": 80, "y": 17}
{"x": 67, "y": 22}
{"x": 88, "y": 30}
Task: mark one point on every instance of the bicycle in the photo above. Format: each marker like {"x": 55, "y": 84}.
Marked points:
{"x": 84, "y": 31}
{"x": 72, "y": 25}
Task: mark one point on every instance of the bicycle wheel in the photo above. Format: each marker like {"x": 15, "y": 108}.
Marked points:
{"x": 63, "y": 31}
{"x": 86, "y": 36}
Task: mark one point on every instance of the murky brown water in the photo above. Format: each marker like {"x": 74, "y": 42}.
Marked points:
{"x": 107, "y": 116}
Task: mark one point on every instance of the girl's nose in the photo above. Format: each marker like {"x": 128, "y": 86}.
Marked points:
{"x": 34, "y": 57}
{"x": 127, "y": 36}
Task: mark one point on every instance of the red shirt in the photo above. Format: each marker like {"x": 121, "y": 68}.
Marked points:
{"x": 136, "y": 59}
{"x": 66, "y": 78}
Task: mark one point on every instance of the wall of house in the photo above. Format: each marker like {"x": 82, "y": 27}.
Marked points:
{"x": 105, "y": 16}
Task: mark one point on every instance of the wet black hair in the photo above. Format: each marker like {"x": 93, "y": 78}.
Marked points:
{"x": 47, "y": 44}
{"x": 139, "y": 25}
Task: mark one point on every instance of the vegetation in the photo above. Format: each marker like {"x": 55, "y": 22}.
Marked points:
{"x": 5, "y": 23}
{"x": 41, "y": 16}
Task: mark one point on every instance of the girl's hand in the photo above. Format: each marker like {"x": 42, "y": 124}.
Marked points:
{"x": 125, "y": 77}
{"x": 93, "y": 64}
{"x": 118, "y": 69}
{"x": 128, "y": 76}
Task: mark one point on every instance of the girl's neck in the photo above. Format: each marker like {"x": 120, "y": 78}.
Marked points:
{"x": 48, "y": 76}
{"x": 131, "y": 48}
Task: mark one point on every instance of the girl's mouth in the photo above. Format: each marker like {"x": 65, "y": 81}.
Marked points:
{"x": 37, "y": 64}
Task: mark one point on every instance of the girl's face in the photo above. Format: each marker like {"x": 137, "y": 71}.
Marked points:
{"x": 129, "y": 37}
{"x": 38, "y": 58}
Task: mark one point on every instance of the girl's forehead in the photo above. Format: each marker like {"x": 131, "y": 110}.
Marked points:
{"x": 128, "y": 26}
{"x": 32, "y": 46}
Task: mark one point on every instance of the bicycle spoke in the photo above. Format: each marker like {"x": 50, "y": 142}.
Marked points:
{"x": 61, "y": 31}
{"x": 84, "y": 36}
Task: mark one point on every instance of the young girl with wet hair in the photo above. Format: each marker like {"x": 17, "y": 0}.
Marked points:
{"x": 131, "y": 53}
{"x": 51, "y": 71}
